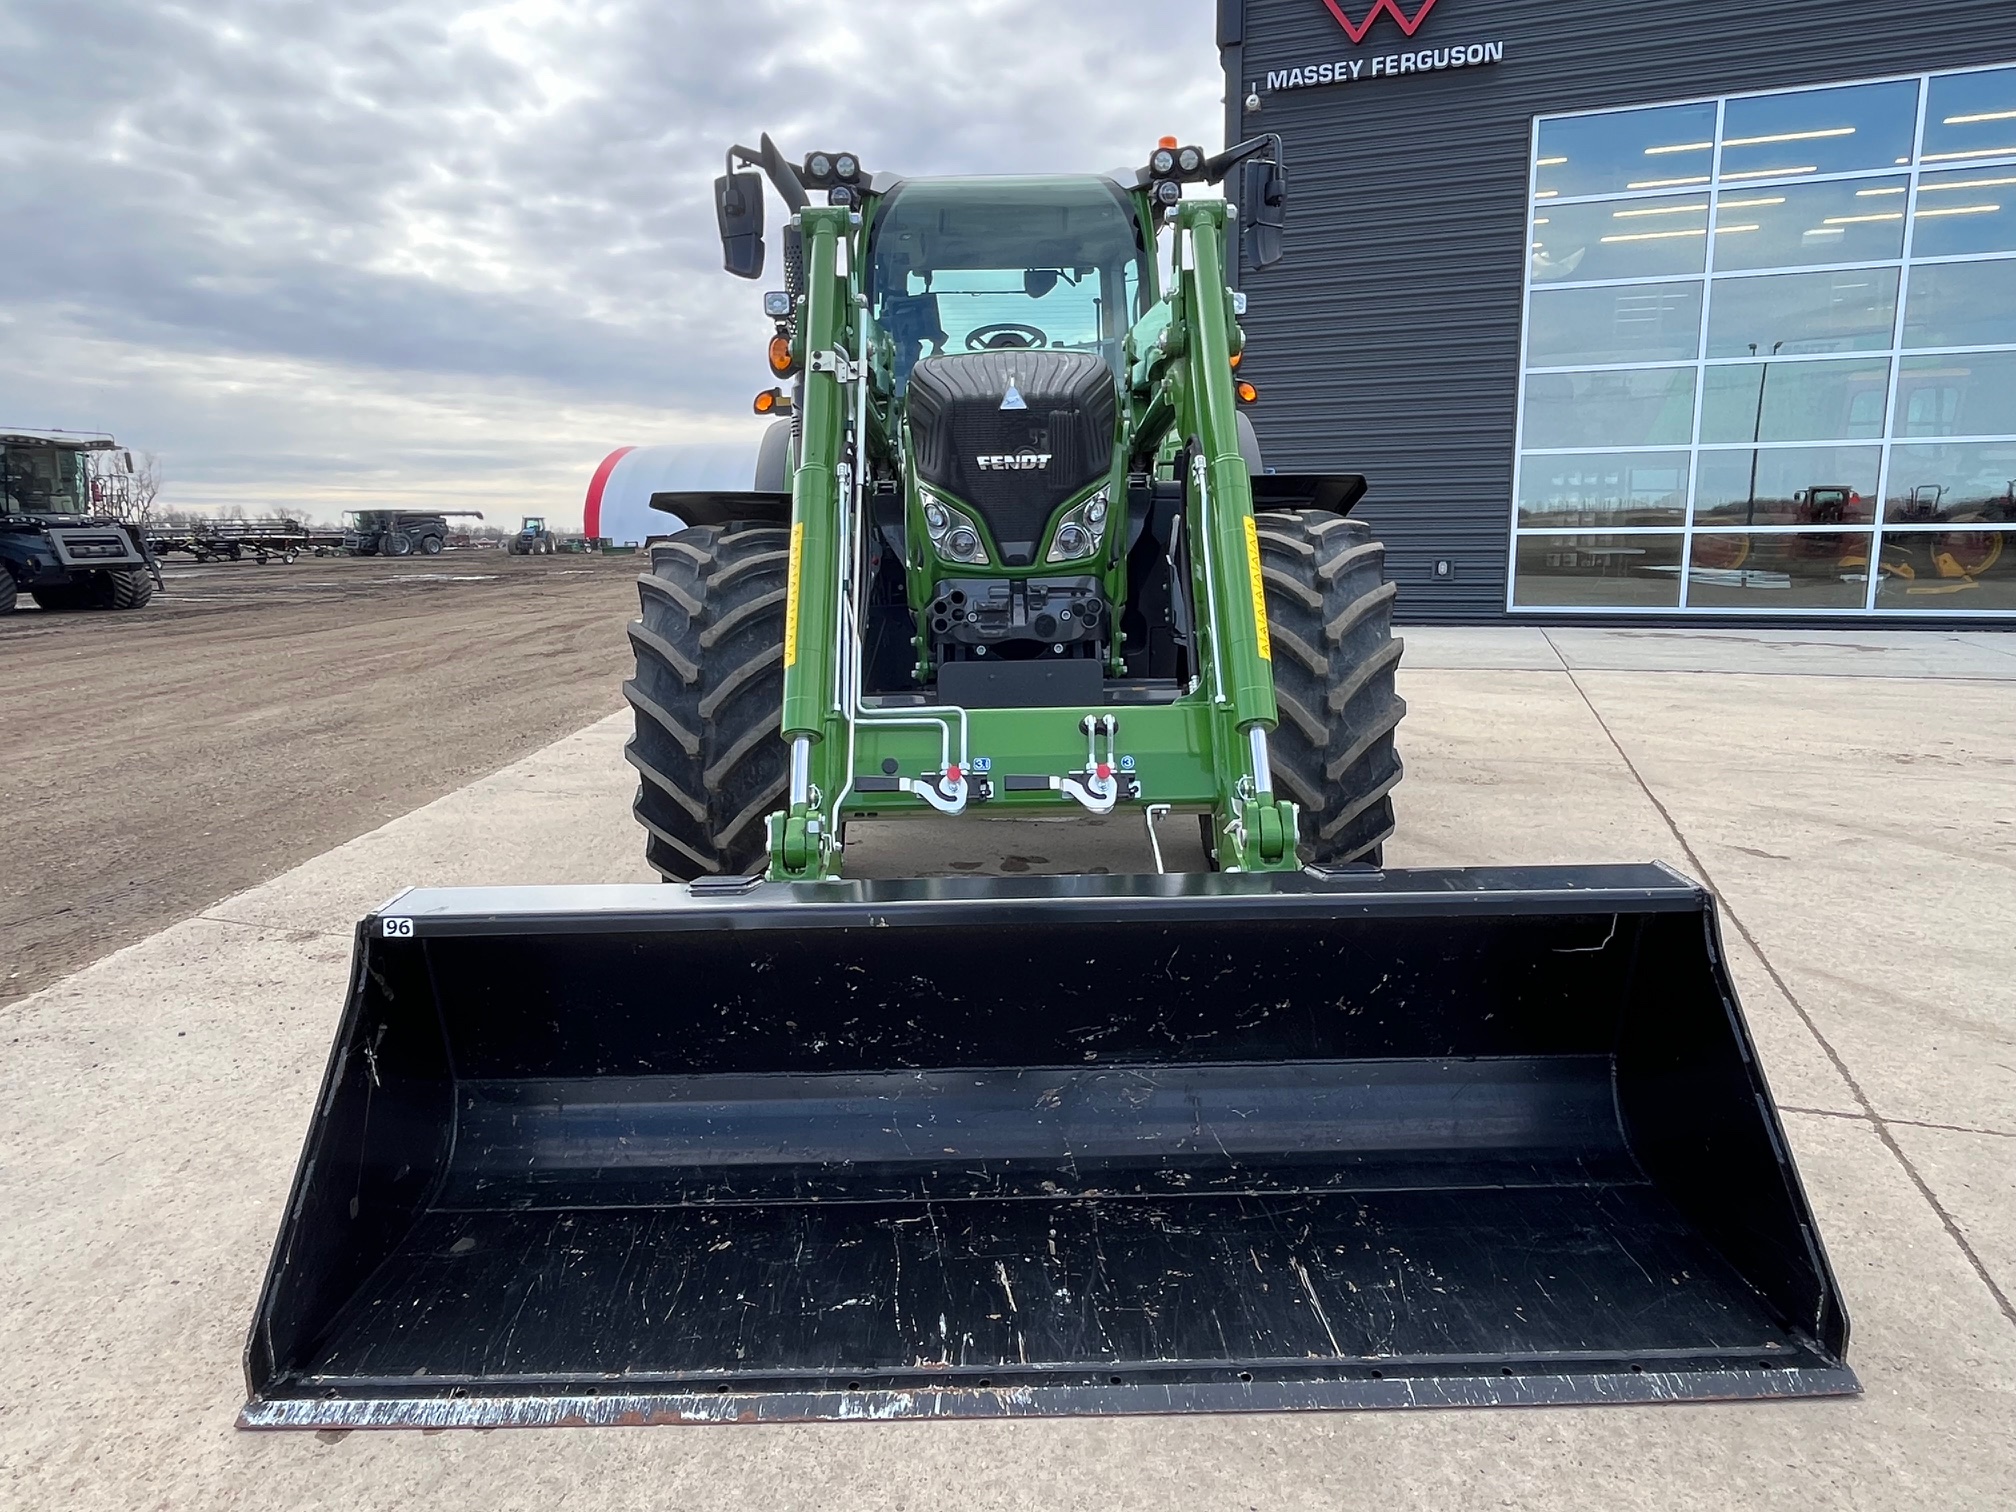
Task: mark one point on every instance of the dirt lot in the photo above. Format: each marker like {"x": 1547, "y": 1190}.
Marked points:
{"x": 153, "y": 762}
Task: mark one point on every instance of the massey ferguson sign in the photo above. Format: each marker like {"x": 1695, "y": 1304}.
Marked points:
{"x": 1373, "y": 55}
{"x": 1373, "y": 10}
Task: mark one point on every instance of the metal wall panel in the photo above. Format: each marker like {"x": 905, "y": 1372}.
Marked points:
{"x": 1387, "y": 341}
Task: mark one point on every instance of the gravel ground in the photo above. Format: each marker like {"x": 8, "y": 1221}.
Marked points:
{"x": 251, "y": 717}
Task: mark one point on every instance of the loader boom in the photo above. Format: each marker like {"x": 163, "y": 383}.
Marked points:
{"x": 1203, "y": 748}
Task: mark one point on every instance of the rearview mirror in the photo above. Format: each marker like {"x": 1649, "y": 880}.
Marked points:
{"x": 738, "y": 205}
{"x": 1038, "y": 282}
{"x": 1264, "y": 212}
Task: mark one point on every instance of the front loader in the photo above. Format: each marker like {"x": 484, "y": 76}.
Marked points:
{"x": 1298, "y": 1132}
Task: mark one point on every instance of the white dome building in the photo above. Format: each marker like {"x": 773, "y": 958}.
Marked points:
{"x": 618, "y": 506}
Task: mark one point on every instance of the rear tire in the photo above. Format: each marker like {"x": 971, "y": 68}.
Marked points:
{"x": 708, "y": 699}
{"x": 1330, "y": 614}
{"x": 430, "y": 545}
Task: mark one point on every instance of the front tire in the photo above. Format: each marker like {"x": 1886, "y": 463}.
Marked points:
{"x": 398, "y": 545}
{"x": 430, "y": 545}
{"x": 708, "y": 698}
{"x": 1330, "y": 614}
{"x": 9, "y": 594}
{"x": 128, "y": 588}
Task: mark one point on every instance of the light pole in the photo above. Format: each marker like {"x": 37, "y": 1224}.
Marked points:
{"x": 1757, "y": 431}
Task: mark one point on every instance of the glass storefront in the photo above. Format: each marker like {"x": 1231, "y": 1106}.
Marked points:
{"x": 1769, "y": 359}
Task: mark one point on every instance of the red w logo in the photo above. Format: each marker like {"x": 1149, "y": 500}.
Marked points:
{"x": 1356, "y": 30}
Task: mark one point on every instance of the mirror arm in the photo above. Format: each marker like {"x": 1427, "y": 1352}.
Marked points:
{"x": 783, "y": 177}
{"x": 1216, "y": 169}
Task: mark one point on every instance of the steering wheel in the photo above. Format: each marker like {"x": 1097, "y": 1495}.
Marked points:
{"x": 996, "y": 338}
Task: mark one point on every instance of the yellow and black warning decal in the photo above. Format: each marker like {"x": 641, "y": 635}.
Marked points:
{"x": 1265, "y": 641}
{"x": 791, "y": 594}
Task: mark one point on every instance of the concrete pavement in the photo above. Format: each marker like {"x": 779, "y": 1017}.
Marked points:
{"x": 1852, "y": 797}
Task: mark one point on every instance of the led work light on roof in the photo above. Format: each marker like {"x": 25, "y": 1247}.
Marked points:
{"x": 1168, "y": 191}
{"x": 1190, "y": 160}
{"x": 1163, "y": 163}
{"x": 827, "y": 170}
{"x": 777, "y": 305}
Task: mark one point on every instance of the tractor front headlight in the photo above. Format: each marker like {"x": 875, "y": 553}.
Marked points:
{"x": 1082, "y": 531}
{"x": 953, "y": 534}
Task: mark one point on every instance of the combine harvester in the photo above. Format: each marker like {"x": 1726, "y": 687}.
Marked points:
{"x": 1296, "y": 1133}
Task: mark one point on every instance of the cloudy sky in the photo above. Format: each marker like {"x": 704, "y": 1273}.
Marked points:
{"x": 324, "y": 253}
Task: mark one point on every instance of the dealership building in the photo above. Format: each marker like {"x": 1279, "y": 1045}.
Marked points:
{"x": 1687, "y": 311}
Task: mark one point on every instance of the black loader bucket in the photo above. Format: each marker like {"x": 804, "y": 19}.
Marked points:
{"x": 1060, "y": 1145}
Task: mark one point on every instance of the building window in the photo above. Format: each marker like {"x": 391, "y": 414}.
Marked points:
{"x": 1769, "y": 362}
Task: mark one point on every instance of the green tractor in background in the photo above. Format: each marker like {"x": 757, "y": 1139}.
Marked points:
{"x": 1015, "y": 552}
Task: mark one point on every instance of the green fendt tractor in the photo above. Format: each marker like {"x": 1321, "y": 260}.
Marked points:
{"x": 1025, "y": 561}
{"x": 774, "y": 1143}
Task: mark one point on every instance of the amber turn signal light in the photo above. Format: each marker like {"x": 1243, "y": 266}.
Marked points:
{"x": 1237, "y": 358}
{"x": 1246, "y": 392}
{"x": 781, "y": 361}
{"x": 773, "y": 402}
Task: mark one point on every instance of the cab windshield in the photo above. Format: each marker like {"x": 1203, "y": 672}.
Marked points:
{"x": 43, "y": 480}
{"x": 971, "y": 265}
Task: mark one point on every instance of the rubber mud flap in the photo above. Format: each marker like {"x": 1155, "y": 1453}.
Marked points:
{"x": 986, "y": 1147}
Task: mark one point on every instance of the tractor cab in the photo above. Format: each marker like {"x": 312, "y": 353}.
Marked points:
{"x": 1005, "y": 265}
{"x": 44, "y": 476}
{"x": 534, "y": 525}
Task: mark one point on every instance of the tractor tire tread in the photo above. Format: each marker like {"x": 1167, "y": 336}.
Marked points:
{"x": 129, "y": 588}
{"x": 1288, "y": 581}
{"x": 667, "y": 720}
{"x": 707, "y": 699}
{"x": 1330, "y": 614}
{"x": 652, "y": 583}
{"x": 739, "y": 616}
{"x": 641, "y": 636}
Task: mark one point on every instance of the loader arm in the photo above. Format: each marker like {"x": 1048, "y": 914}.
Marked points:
{"x": 1205, "y": 750}
{"x": 1235, "y": 647}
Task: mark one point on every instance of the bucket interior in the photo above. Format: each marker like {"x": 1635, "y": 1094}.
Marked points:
{"x": 1111, "y": 1155}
